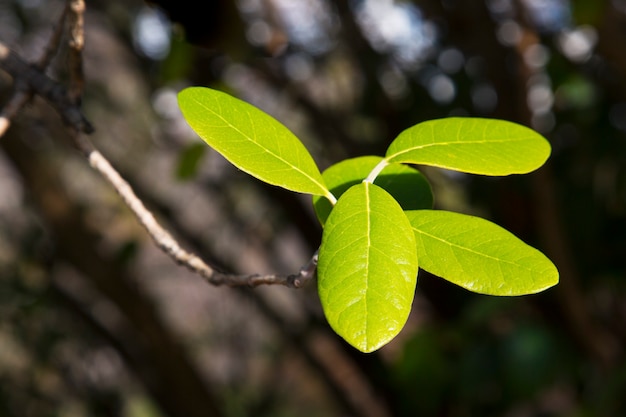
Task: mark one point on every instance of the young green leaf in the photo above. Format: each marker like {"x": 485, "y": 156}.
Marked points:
{"x": 479, "y": 255}
{"x": 406, "y": 184}
{"x": 473, "y": 145}
{"x": 367, "y": 268}
{"x": 251, "y": 140}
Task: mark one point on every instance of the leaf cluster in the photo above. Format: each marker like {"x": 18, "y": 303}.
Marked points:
{"x": 379, "y": 226}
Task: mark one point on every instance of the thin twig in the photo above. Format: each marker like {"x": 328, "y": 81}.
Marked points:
{"x": 30, "y": 78}
{"x": 53, "y": 43}
{"x": 76, "y": 43}
{"x": 20, "y": 97}
{"x": 67, "y": 104}
{"x": 159, "y": 235}
{"x": 170, "y": 246}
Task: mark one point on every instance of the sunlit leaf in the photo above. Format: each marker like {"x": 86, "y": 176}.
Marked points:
{"x": 406, "y": 184}
{"x": 479, "y": 255}
{"x": 251, "y": 139}
{"x": 367, "y": 267}
{"x": 473, "y": 145}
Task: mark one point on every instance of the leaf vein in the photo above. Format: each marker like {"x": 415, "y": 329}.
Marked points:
{"x": 255, "y": 142}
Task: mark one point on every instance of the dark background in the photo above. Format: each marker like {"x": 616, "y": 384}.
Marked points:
{"x": 95, "y": 321}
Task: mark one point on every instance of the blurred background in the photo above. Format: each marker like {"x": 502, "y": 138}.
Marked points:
{"x": 96, "y": 321}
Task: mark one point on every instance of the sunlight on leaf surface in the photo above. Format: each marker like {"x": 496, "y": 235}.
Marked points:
{"x": 473, "y": 145}
{"x": 367, "y": 268}
{"x": 479, "y": 255}
{"x": 251, "y": 140}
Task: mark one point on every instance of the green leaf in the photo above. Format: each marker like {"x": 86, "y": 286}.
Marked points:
{"x": 367, "y": 268}
{"x": 479, "y": 255}
{"x": 406, "y": 184}
{"x": 473, "y": 145}
{"x": 251, "y": 140}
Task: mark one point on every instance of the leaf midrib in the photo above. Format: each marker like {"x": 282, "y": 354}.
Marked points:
{"x": 367, "y": 264}
{"x": 453, "y": 143}
{"x": 259, "y": 146}
{"x": 463, "y": 248}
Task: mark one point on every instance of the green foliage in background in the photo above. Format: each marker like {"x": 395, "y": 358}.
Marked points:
{"x": 378, "y": 224}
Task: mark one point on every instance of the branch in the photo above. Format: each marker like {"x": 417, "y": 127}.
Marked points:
{"x": 76, "y": 10}
{"x": 35, "y": 81}
{"x": 30, "y": 78}
{"x": 168, "y": 244}
{"x": 20, "y": 98}
{"x": 163, "y": 239}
